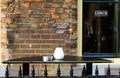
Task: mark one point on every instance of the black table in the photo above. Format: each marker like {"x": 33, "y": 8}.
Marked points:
{"x": 25, "y": 61}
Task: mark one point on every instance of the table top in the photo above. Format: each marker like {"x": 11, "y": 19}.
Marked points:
{"x": 67, "y": 59}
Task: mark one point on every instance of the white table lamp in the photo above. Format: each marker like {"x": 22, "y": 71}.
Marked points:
{"x": 58, "y": 53}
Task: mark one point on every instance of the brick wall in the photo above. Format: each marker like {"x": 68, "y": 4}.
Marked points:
{"x": 36, "y": 27}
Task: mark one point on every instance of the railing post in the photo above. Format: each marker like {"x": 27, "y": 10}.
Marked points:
{"x": 119, "y": 72}
{"x": 33, "y": 72}
{"x": 84, "y": 71}
{"x": 108, "y": 71}
{"x": 20, "y": 72}
{"x": 71, "y": 72}
{"x": 58, "y": 71}
{"x": 96, "y": 71}
{"x": 7, "y": 72}
{"x": 45, "y": 72}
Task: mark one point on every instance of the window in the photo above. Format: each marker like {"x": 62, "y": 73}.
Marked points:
{"x": 100, "y": 28}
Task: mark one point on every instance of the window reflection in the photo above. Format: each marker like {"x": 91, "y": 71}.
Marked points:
{"x": 100, "y": 31}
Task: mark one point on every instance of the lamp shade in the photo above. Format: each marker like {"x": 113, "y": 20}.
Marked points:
{"x": 58, "y": 53}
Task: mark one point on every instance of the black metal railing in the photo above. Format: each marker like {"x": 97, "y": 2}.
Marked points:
{"x": 58, "y": 73}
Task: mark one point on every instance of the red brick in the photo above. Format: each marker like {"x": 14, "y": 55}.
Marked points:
{"x": 45, "y": 37}
{"x": 56, "y": 5}
{"x": 60, "y": 21}
{"x": 6, "y": 20}
{"x": 64, "y": 16}
{"x": 60, "y": 10}
{"x": 35, "y": 41}
{"x": 65, "y": 6}
{"x": 52, "y": 11}
{"x": 35, "y": 36}
{"x": 36, "y": 46}
{"x": 32, "y": 0}
{"x": 27, "y": 51}
{"x": 56, "y": 36}
{"x": 19, "y": 41}
{"x": 55, "y": 16}
{"x": 46, "y": 46}
{"x": 24, "y": 4}
{"x": 45, "y": 26}
{"x": 24, "y": 46}
{"x": 24, "y": 15}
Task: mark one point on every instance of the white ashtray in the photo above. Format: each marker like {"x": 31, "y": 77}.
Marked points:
{"x": 47, "y": 58}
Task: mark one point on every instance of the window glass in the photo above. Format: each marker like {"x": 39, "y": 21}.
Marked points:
{"x": 100, "y": 28}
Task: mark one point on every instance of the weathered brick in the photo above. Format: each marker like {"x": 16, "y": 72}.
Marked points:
{"x": 51, "y": 41}
{"x": 58, "y": 1}
{"x": 46, "y": 46}
{"x": 55, "y": 16}
{"x": 24, "y": 15}
{"x": 49, "y": 1}
{"x": 60, "y": 21}
{"x": 69, "y": 1}
{"x": 34, "y": 5}
{"x": 24, "y": 46}
{"x": 35, "y": 36}
{"x": 45, "y": 26}
{"x": 4, "y": 1}
{"x": 3, "y": 15}
{"x": 24, "y": 36}
{"x": 3, "y": 36}
{"x": 6, "y": 20}
{"x": 24, "y": 5}
{"x": 13, "y": 15}
{"x": 56, "y": 36}
{"x": 56, "y": 5}
{"x": 74, "y": 2}
{"x": 51, "y": 21}
{"x": 60, "y": 10}
{"x": 46, "y": 31}
{"x": 65, "y": 15}
{"x": 28, "y": 46}
{"x": 32, "y": 0}
{"x": 65, "y": 6}
{"x": 32, "y": 20}
{"x": 36, "y": 46}
{"x": 47, "y": 5}
{"x": 34, "y": 41}
{"x": 45, "y": 36}
{"x": 19, "y": 41}
{"x": 44, "y": 51}
{"x": 41, "y": 10}
{"x": 27, "y": 51}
